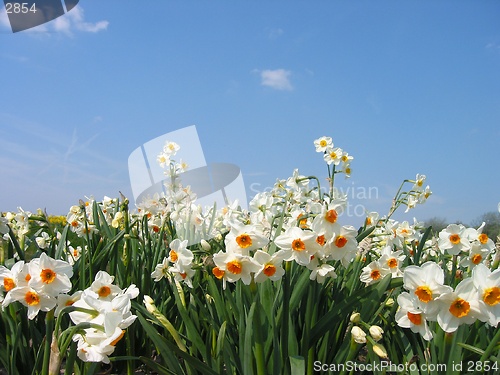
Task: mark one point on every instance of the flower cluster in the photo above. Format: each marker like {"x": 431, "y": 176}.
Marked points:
{"x": 43, "y": 285}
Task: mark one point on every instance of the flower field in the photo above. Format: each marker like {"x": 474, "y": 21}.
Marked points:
{"x": 285, "y": 287}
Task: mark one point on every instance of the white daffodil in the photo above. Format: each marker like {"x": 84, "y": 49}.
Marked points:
{"x": 299, "y": 244}
{"x": 460, "y": 306}
{"x": 244, "y": 238}
{"x": 426, "y": 282}
{"x": 410, "y": 315}
{"x": 35, "y": 301}
{"x": 103, "y": 286}
{"x": 161, "y": 270}
{"x": 270, "y": 265}
{"x": 453, "y": 239}
{"x": 487, "y": 284}
{"x": 236, "y": 266}
{"x": 323, "y": 143}
{"x": 374, "y": 272}
{"x": 50, "y": 276}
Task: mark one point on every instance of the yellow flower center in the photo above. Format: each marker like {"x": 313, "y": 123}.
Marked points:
{"x": 32, "y": 298}
{"x": 298, "y": 245}
{"x": 244, "y": 241}
{"x": 218, "y": 273}
{"x": 340, "y": 241}
{"x": 344, "y": 158}
{"x": 483, "y": 238}
{"x": 331, "y": 216}
{"x": 173, "y": 255}
{"x": 459, "y": 308}
{"x": 476, "y": 258}
{"x": 8, "y": 284}
{"x": 375, "y": 275}
{"x": 368, "y": 221}
{"x": 491, "y": 296}
{"x": 414, "y": 318}
{"x": 269, "y": 270}
{"x": 323, "y": 143}
{"x": 454, "y": 239}
{"x": 47, "y": 275}
{"x": 234, "y": 267}
{"x": 392, "y": 262}
{"x": 424, "y": 293}
{"x": 104, "y": 291}
{"x": 333, "y": 155}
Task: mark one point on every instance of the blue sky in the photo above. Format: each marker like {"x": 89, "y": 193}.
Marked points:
{"x": 405, "y": 87}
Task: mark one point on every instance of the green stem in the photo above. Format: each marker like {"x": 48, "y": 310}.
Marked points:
{"x": 491, "y": 347}
{"x": 49, "y": 328}
{"x": 285, "y": 318}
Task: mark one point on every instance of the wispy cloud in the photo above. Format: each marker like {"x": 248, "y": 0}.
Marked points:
{"x": 275, "y": 33}
{"x": 278, "y": 79}
{"x": 73, "y": 21}
{"x": 493, "y": 46}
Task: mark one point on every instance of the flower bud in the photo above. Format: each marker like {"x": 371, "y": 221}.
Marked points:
{"x": 358, "y": 335}
{"x": 150, "y": 304}
{"x": 376, "y": 332}
{"x": 205, "y": 245}
{"x": 380, "y": 351}
{"x": 355, "y": 317}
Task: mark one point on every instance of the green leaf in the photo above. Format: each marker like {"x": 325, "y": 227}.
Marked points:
{"x": 298, "y": 365}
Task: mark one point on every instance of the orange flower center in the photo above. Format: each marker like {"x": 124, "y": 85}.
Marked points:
{"x": 454, "y": 239}
{"x": 32, "y": 298}
{"x": 368, "y": 221}
{"x": 234, "y": 267}
{"x": 340, "y": 241}
{"x": 392, "y": 262}
{"x": 491, "y": 296}
{"x": 183, "y": 275}
{"x": 156, "y": 228}
{"x": 483, "y": 238}
{"x": 298, "y": 245}
{"x": 28, "y": 277}
{"x": 269, "y": 270}
{"x": 321, "y": 240}
{"x": 47, "y": 275}
{"x": 424, "y": 293}
{"x": 104, "y": 291}
{"x": 244, "y": 241}
{"x": 173, "y": 256}
{"x": 74, "y": 223}
{"x": 69, "y": 303}
{"x": 8, "y": 284}
{"x": 476, "y": 258}
{"x": 218, "y": 273}
{"x": 331, "y": 216}
{"x": 414, "y": 318}
{"x": 302, "y": 222}
{"x": 459, "y": 308}
{"x": 115, "y": 341}
{"x": 375, "y": 275}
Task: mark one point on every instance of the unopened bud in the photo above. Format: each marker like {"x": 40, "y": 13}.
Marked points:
{"x": 355, "y": 317}
{"x": 376, "y": 332}
{"x": 380, "y": 351}
{"x": 358, "y": 335}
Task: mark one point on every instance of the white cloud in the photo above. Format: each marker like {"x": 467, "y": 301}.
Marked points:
{"x": 278, "y": 79}
{"x": 69, "y": 23}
